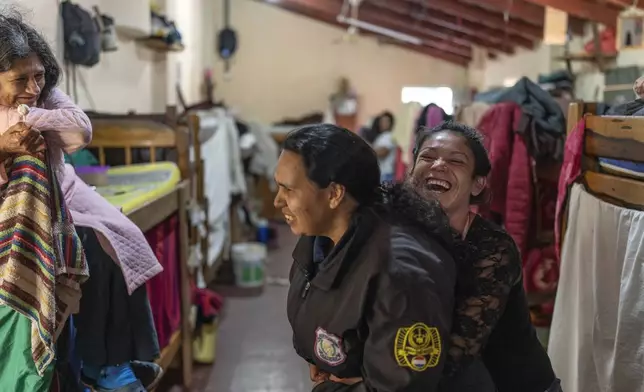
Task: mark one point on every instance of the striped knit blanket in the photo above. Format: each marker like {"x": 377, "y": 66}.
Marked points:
{"x": 42, "y": 263}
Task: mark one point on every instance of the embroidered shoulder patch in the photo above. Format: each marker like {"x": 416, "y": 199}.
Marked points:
{"x": 328, "y": 348}
{"x": 418, "y": 347}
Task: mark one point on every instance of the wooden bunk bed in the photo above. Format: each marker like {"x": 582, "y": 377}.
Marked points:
{"x": 201, "y": 199}
{"x": 152, "y": 133}
{"x": 594, "y": 319}
{"x": 211, "y": 263}
{"x": 616, "y": 137}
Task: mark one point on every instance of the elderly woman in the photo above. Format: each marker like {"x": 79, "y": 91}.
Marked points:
{"x": 114, "y": 324}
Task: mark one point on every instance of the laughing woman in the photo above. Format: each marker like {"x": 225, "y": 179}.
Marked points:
{"x": 372, "y": 281}
{"x": 115, "y": 325}
{"x": 492, "y": 331}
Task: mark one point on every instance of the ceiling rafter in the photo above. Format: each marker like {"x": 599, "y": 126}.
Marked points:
{"x": 430, "y": 37}
{"x": 595, "y": 12}
{"x": 519, "y": 9}
{"x": 623, "y": 4}
{"x": 327, "y": 11}
{"x": 448, "y": 29}
{"x": 490, "y": 19}
{"x": 373, "y": 14}
{"x": 478, "y": 34}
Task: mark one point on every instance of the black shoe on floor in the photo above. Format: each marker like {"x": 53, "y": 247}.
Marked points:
{"x": 148, "y": 372}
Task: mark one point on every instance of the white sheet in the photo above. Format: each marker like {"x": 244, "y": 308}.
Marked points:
{"x": 597, "y": 333}
{"x": 223, "y": 174}
{"x": 266, "y": 151}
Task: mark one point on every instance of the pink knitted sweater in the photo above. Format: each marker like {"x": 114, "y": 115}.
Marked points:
{"x": 67, "y": 128}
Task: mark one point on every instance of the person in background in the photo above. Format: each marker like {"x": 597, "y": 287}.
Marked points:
{"x": 381, "y": 123}
{"x": 384, "y": 145}
{"x": 372, "y": 281}
{"x": 494, "y": 346}
{"x": 114, "y": 328}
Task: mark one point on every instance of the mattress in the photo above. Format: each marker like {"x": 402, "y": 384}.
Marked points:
{"x": 130, "y": 187}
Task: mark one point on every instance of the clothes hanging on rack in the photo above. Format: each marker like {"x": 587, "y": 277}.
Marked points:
{"x": 223, "y": 172}
{"x": 405, "y": 126}
{"x": 265, "y": 152}
{"x": 472, "y": 114}
{"x": 403, "y": 133}
{"x": 597, "y": 335}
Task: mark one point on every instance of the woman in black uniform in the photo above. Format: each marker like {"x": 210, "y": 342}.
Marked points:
{"x": 491, "y": 330}
{"x": 372, "y": 283}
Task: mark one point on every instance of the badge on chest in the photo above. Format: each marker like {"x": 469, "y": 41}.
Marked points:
{"x": 328, "y": 348}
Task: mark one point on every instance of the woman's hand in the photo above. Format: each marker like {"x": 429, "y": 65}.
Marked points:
{"x": 21, "y": 139}
{"x": 347, "y": 381}
{"x": 317, "y": 376}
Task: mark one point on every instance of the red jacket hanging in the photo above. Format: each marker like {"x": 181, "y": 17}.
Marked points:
{"x": 510, "y": 180}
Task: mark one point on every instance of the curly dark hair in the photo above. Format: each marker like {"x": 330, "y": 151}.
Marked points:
{"x": 474, "y": 139}
{"x": 18, "y": 40}
{"x": 334, "y": 154}
{"x": 401, "y": 203}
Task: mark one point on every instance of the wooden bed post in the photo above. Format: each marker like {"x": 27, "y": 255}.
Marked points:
{"x": 199, "y": 196}
{"x": 154, "y": 132}
{"x": 186, "y": 295}
{"x": 575, "y": 113}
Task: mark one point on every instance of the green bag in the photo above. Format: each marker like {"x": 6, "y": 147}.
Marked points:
{"x": 81, "y": 158}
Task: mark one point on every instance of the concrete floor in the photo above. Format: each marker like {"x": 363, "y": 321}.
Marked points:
{"x": 254, "y": 346}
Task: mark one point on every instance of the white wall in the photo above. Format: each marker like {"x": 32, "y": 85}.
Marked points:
{"x": 122, "y": 81}
{"x": 134, "y": 77}
{"x": 288, "y": 65}
{"x": 590, "y": 81}
{"x": 524, "y": 62}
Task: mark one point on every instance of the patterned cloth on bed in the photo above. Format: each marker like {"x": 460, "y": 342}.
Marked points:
{"x": 42, "y": 263}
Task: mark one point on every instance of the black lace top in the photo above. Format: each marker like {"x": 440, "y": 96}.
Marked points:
{"x": 489, "y": 267}
{"x": 491, "y": 319}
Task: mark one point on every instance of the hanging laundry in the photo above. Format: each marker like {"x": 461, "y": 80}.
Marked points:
{"x": 597, "y": 335}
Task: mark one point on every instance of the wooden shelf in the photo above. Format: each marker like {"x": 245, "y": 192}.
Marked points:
{"x": 131, "y": 33}
{"x": 586, "y": 57}
{"x": 159, "y": 45}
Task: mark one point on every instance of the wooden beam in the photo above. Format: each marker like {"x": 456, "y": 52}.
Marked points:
{"x": 402, "y": 22}
{"x": 486, "y": 18}
{"x": 576, "y": 26}
{"x": 519, "y": 9}
{"x": 438, "y": 40}
{"x": 325, "y": 12}
{"x": 477, "y": 34}
{"x": 592, "y": 11}
{"x": 447, "y": 41}
{"x": 623, "y": 4}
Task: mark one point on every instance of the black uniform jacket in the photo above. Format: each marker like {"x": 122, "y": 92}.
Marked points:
{"x": 378, "y": 307}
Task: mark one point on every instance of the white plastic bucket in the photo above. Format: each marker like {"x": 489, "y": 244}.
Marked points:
{"x": 249, "y": 262}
